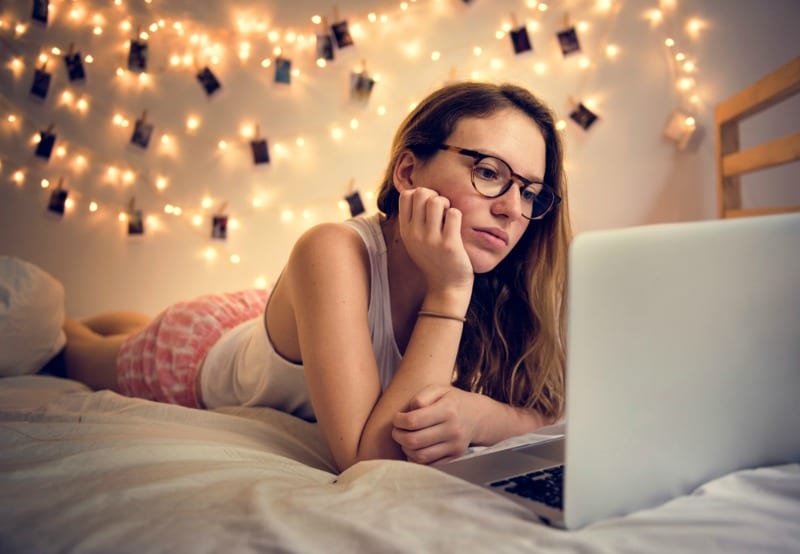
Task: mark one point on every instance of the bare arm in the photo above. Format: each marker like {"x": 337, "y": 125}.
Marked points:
{"x": 328, "y": 282}
{"x": 442, "y": 422}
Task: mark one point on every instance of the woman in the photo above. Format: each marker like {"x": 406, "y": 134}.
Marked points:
{"x": 408, "y": 334}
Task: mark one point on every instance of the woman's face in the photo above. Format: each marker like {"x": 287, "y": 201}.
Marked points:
{"x": 490, "y": 227}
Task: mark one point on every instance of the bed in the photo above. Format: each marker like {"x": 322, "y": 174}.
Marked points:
{"x": 84, "y": 471}
{"x": 733, "y": 162}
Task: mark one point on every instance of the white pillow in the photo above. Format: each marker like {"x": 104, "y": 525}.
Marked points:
{"x": 31, "y": 317}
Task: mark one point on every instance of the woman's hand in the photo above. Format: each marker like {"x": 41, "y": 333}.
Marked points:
{"x": 439, "y": 424}
{"x": 431, "y": 233}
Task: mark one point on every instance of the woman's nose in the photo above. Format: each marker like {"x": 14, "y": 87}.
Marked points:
{"x": 509, "y": 203}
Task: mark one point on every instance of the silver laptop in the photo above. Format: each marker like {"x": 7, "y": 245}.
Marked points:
{"x": 683, "y": 364}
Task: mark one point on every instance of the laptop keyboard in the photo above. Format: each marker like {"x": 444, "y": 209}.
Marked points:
{"x": 543, "y": 486}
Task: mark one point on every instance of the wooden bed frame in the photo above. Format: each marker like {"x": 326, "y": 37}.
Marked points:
{"x": 733, "y": 162}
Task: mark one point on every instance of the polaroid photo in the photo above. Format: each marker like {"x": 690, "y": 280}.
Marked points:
{"x": 40, "y": 11}
{"x": 583, "y": 116}
{"x": 520, "y": 40}
{"x": 142, "y": 132}
{"x": 324, "y": 47}
{"x": 361, "y": 85}
{"x": 341, "y": 33}
{"x": 58, "y": 201}
{"x": 568, "y": 41}
{"x": 137, "y": 56}
{"x": 208, "y": 81}
{"x": 75, "y": 70}
{"x": 41, "y": 83}
{"x": 135, "y": 222}
{"x": 260, "y": 151}
{"x": 44, "y": 149}
{"x": 283, "y": 70}
{"x": 219, "y": 227}
{"x": 355, "y": 204}
{"x": 680, "y": 128}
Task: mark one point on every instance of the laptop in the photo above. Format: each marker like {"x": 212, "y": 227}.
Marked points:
{"x": 683, "y": 365}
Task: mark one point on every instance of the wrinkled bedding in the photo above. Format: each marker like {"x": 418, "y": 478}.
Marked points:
{"x": 84, "y": 471}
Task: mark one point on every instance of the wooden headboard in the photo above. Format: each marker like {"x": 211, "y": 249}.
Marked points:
{"x": 733, "y": 162}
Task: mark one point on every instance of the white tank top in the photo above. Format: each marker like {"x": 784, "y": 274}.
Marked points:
{"x": 243, "y": 368}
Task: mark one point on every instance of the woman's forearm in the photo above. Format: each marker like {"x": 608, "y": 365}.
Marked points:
{"x": 499, "y": 421}
{"x": 429, "y": 359}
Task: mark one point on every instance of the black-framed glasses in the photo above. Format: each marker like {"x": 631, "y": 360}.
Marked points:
{"x": 492, "y": 177}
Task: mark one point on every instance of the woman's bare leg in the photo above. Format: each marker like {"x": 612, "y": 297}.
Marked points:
{"x": 91, "y": 357}
{"x": 116, "y": 323}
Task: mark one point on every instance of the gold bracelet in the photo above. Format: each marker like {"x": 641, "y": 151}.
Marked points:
{"x": 441, "y": 316}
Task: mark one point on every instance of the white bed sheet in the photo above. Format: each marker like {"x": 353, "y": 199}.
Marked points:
{"x": 98, "y": 472}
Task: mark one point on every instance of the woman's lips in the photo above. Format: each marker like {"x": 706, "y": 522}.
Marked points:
{"x": 493, "y": 236}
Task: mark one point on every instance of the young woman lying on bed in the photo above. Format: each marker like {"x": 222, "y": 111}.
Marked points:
{"x": 412, "y": 333}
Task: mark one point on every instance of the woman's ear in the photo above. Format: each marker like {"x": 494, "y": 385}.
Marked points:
{"x": 403, "y": 170}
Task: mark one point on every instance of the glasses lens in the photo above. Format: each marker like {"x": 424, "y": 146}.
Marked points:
{"x": 538, "y": 202}
{"x": 490, "y": 176}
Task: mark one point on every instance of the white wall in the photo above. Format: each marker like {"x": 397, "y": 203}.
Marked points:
{"x": 622, "y": 171}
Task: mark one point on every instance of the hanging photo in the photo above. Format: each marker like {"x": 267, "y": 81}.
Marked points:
{"x": 583, "y": 116}
{"x": 219, "y": 227}
{"x": 354, "y": 203}
{"x": 74, "y": 63}
{"x": 342, "y": 34}
{"x": 142, "y": 132}
{"x": 361, "y": 85}
{"x": 40, "y": 11}
{"x": 135, "y": 222}
{"x": 41, "y": 83}
{"x": 58, "y": 201}
{"x": 568, "y": 40}
{"x": 680, "y": 128}
{"x": 520, "y": 40}
{"x": 324, "y": 47}
{"x": 208, "y": 81}
{"x": 283, "y": 70}
{"x": 44, "y": 149}
{"x": 260, "y": 151}
{"x": 137, "y": 56}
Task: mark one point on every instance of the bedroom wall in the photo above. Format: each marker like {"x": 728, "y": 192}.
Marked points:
{"x": 622, "y": 171}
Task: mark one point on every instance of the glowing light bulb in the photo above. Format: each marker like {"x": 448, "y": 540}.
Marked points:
{"x": 210, "y": 254}
{"x": 92, "y": 206}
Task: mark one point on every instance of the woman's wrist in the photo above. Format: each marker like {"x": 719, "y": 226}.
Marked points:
{"x": 451, "y": 302}
{"x": 499, "y": 421}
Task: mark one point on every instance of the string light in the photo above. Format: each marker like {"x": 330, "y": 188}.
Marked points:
{"x": 213, "y": 50}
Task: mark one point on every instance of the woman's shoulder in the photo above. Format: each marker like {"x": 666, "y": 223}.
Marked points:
{"x": 330, "y": 243}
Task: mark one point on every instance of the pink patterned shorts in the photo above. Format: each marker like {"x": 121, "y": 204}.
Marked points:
{"x": 161, "y": 361}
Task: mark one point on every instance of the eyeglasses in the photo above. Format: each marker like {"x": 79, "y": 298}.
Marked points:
{"x": 492, "y": 177}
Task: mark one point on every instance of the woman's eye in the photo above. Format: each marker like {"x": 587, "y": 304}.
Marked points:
{"x": 486, "y": 173}
{"x": 529, "y": 194}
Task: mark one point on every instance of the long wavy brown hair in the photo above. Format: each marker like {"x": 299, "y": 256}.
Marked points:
{"x": 513, "y": 345}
